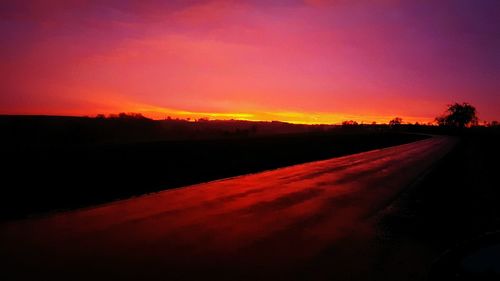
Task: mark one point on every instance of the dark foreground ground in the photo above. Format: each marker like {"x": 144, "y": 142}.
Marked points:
{"x": 447, "y": 217}
{"x": 402, "y": 213}
{"x": 313, "y": 221}
{"x": 424, "y": 233}
{"x": 54, "y": 163}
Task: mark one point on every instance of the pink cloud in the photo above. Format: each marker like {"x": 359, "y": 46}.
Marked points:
{"x": 373, "y": 58}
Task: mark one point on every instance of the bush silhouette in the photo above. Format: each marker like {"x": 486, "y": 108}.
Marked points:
{"x": 459, "y": 116}
{"x": 396, "y": 122}
{"x": 349, "y": 123}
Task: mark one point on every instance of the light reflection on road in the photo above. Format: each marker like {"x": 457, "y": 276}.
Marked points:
{"x": 273, "y": 219}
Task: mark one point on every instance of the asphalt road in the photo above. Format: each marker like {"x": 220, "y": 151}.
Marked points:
{"x": 309, "y": 221}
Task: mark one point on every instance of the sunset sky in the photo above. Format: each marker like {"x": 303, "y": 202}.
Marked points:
{"x": 297, "y": 61}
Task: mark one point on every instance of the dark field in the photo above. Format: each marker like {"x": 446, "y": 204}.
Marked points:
{"x": 63, "y": 163}
{"x": 426, "y": 229}
{"x": 453, "y": 212}
{"x": 240, "y": 228}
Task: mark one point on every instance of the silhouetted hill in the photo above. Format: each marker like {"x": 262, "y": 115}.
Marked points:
{"x": 68, "y": 162}
{"x": 134, "y": 128}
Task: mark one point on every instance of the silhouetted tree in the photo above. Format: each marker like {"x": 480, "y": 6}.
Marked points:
{"x": 459, "y": 116}
{"x": 349, "y": 123}
{"x": 128, "y": 116}
{"x": 396, "y": 122}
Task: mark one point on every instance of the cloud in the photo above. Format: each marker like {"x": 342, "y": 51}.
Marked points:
{"x": 241, "y": 56}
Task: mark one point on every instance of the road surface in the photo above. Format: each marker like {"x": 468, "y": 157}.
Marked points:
{"x": 305, "y": 221}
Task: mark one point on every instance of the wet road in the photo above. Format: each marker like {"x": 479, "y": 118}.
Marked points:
{"x": 302, "y": 221}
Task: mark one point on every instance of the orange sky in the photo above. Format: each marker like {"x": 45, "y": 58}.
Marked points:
{"x": 295, "y": 61}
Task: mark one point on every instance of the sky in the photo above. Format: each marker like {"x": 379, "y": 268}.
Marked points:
{"x": 309, "y": 61}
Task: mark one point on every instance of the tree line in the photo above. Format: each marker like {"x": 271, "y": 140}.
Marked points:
{"x": 457, "y": 115}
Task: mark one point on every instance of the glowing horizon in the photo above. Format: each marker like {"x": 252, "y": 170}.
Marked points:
{"x": 305, "y": 62}
{"x": 310, "y": 118}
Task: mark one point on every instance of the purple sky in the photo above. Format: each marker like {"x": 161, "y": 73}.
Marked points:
{"x": 298, "y": 61}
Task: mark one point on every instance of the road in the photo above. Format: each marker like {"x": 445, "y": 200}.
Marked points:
{"x": 305, "y": 221}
